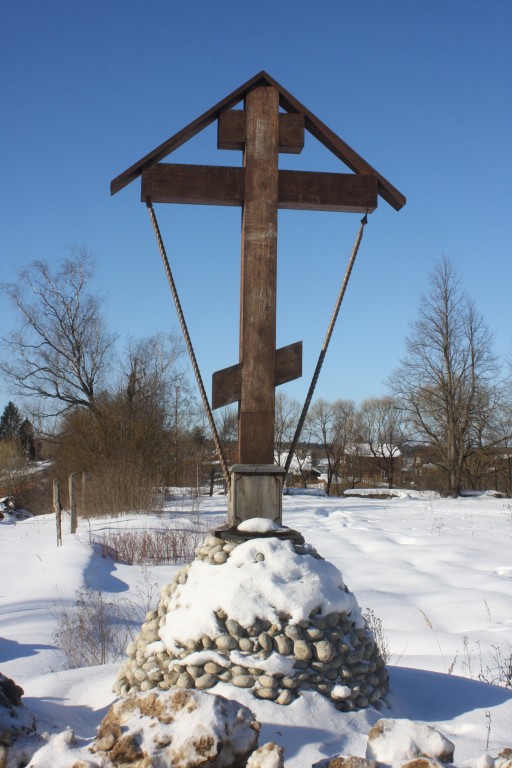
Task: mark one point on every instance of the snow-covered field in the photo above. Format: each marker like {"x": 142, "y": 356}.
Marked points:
{"x": 436, "y": 572}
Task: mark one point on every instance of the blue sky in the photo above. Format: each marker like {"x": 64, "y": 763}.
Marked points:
{"x": 423, "y": 91}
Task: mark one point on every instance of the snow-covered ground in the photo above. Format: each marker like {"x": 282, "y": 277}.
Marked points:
{"x": 437, "y": 573}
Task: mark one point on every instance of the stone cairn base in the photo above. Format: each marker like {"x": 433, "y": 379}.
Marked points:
{"x": 330, "y": 654}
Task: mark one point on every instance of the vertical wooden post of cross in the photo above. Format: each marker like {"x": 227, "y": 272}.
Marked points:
{"x": 258, "y": 278}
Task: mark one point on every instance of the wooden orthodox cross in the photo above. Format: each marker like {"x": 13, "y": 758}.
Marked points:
{"x": 261, "y": 131}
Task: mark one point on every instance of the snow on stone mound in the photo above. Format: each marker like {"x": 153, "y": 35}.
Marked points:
{"x": 259, "y": 525}
{"x": 261, "y": 579}
{"x": 269, "y": 615}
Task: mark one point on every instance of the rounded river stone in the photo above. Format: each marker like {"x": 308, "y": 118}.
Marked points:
{"x": 302, "y": 650}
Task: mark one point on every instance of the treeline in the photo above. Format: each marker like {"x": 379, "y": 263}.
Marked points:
{"x": 128, "y": 423}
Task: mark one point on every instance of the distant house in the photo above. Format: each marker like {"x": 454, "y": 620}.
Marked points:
{"x": 301, "y": 467}
{"x": 366, "y": 464}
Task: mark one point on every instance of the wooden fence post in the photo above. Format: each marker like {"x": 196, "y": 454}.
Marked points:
{"x": 58, "y": 512}
{"x": 72, "y": 501}
{"x": 84, "y": 484}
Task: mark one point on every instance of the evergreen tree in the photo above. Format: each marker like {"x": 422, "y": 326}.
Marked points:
{"x": 26, "y": 438}
{"x": 10, "y": 422}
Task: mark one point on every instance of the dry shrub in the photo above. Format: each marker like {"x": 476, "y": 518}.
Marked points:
{"x": 93, "y": 631}
{"x": 153, "y": 546}
{"x": 375, "y": 625}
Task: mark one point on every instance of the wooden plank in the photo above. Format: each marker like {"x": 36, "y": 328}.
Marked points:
{"x": 227, "y": 383}
{"x": 199, "y": 184}
{"x": 312, "y": 191}
{"x": 291, "y": 133}
{"x": 288, "y": 363}
{"x": 226, "y": 386}
{"x": 224, "y": 185}
{"x": 231, "y": 131}
{"x": 259, "y": 278}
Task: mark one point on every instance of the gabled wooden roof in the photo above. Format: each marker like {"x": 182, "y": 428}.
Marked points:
{"x": 289, "y": 103}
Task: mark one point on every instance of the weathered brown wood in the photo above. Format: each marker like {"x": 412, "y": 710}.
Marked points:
{"x": 72, "y": 502}
{"x": 199, "y": 184}
{"x": 258, "y": 279}
{"x": 57, "y": 508}
{"x": 227, "y": 386}
{"x": 288, "y": 363}
{"x": 231, "y": 131}
{"x": 291, "y": 133}
{"x": 288, "y": 102}
{"x": 312, "y": 191}
{"x": 227, "y": 383}
{"x": 224, "y": 185}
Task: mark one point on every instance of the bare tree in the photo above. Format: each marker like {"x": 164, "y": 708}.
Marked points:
{"x": 152, "y": 371}
{"x": 228, "y": 432}
{"x": 286, "y": 417}
{"x": 382, "y": 428}
{"x": 445, "y": 383}
{"x": 331, "y": 426}
{"x": 61, "y": 352}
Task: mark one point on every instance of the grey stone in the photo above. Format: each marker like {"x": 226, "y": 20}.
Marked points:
{"x": 302, "y": 650}
{"x": 225, "y": 643}
{"x": 195, "y": 671}
{"x": 265, "y": 641}
{"x": 284, "y": 698}
{"x": 254, "y": 630}
{"x": 353, "y": 657}
{"x": 294, "y": 632}
{"x": 243, "y": 681}
{"x": 267, "y": 693}
{"x": 185, "y": 681}
{"x": 212, "y": 667}
{"x": 234, "y": 628}
{"x": 323, "y": 650}
{"x": 283, "y": 645}
{"x": 205, "y": 681}
{"x": 324, "y": 688}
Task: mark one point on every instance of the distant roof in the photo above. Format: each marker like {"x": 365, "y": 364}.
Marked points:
{"x": 383, "y": 451}
{"x": 287, "y": 102}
